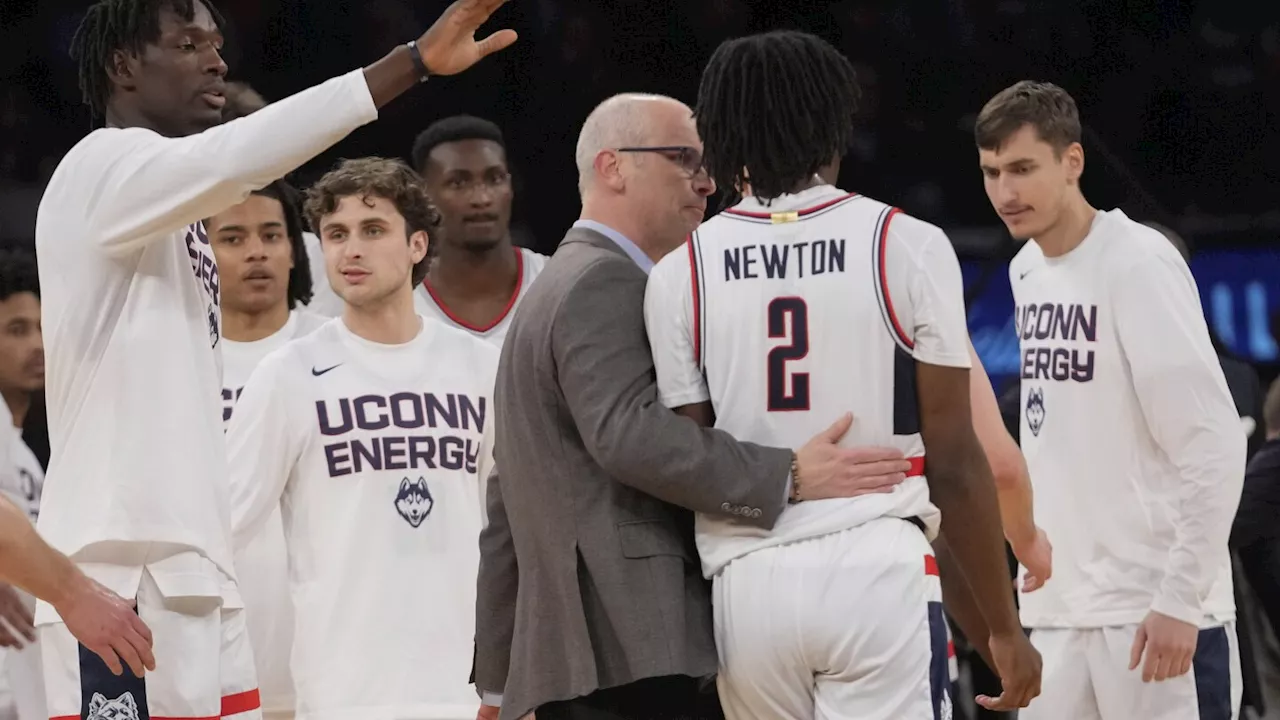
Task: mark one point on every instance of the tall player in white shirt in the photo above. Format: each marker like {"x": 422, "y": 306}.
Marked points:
{"x": 21, "y": 476}
{"x": 479, "y": 277}
{"x": 374, "y": 435}
{"x": 1134, "y": 445}
{"x": 799, "y": 301}
{"x": 262, "y": 262}
{"x": 137, "y": 485}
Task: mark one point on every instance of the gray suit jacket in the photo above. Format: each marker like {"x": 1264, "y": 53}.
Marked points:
{"x": 589, "y": 577}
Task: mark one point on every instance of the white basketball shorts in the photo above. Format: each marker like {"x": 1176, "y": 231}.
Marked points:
{"x": 843, "y": 626}
{"x": 1087, "y": 677}
{"x": 204, "y": 667}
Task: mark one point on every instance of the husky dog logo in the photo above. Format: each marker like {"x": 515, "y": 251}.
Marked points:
{"x": 122, "y": 708}
{"x": 1035, "y": 410}
{"x": 944, "y": 707}
{"x": 414, "y": 501}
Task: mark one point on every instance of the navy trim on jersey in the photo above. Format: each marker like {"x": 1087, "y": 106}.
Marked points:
{"x": 1211, "y": 665}
{"x": 881, "y": 281}
{"x": 774, "y": 218}
{"x": 699, "y": 302}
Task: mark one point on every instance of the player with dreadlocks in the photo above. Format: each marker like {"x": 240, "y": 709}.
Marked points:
{"x": 799, "y": 302}
{"x": 137, "y": 482}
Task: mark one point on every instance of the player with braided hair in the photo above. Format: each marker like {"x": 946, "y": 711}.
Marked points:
{"x": 137, "y": 490}
{"x": 834, "y": 612}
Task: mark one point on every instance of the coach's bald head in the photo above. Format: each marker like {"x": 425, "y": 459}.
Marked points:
{"x": 640, "y": 170}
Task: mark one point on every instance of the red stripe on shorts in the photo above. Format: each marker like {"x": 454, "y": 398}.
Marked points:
{"x": 231, "y": 705}
{"x": 930, "y": 565}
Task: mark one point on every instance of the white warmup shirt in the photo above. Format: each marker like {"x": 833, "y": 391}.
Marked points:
{"x": 790, "y": 315}
{"x": 21, "y": 480}
{"x": 528, "y": 265}
{"x": 129, "y": 293}
{"x": 262, "y": 566}
{"x": 1134, "y": 446}
{"x": 377, "y": 456}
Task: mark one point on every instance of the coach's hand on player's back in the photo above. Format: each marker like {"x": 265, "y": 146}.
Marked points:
{"x": 107, "y": 625}
{"x": 1018, "y": 666}
{"x": 449, "y": 46}
{"x": 1169, "y": 644}
{"x": 826, "y": 470}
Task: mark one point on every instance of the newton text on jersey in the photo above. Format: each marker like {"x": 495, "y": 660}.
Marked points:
{"x": 795, "y": 260}
{"x": 1047, "y": 332}
{"x": 372, "y": 415}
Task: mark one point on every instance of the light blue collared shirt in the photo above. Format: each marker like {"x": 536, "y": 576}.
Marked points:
{"x": 632, "y": 250}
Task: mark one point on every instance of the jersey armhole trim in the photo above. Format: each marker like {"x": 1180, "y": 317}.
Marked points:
{"x": 878, "y": 247}
{"x": 695, "y": 286}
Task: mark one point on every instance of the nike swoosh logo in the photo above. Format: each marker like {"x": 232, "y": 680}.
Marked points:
{"x": 1023, "y": 275}
{"x": 318, "y": 373}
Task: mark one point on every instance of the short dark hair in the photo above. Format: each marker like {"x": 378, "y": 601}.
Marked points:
{"x": 777, "y": 106}
{"x": 300, "y": 281}
{"x": 453, "y": 129}
{"x": 111, "y": 25}
{"x": 390, "y": 180}
{"x": 1042, "y": 105}
{"x": 18, "y": 273}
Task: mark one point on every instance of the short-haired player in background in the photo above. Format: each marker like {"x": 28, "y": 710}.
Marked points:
{"x": 799, "y": 302}
{"x": 373, "y": 434}
{"x": 265, "y": 277}
{"x": 1135, "y": 448}
{"x": 21, "y": 477}
{"x": 137, "y": 482}
{"x": 478, "y": 276}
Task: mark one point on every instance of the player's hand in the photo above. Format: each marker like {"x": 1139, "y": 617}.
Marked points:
{"x": 1170, "y": 645}
{"x": 1018, "y": 665}
{"x": 1037, "y": 557}
{"x": 449, "y": 46}
{"x": 488, "y": 712}
{"x": 107, "y": 625}
{"x": 827, "y": 470}
{"x": 18, "y": 627}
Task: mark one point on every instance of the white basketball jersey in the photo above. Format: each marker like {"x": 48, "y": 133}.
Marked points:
{"x": 787, "y": 316}
{"x": 21, "y": 675}
{"x": 239, "y": 359}
{"x": 528, "y": 265}
{"x": 377, "y": 455}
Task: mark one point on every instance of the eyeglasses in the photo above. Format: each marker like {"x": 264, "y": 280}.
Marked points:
{"x": 689, "y": 159}
{"x": 492, "y": 181}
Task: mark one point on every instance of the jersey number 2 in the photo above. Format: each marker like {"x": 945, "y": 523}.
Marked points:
{"x": 780, "y": 311}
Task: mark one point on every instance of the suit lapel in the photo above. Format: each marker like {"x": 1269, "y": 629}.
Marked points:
{"x": 591, "y": 237}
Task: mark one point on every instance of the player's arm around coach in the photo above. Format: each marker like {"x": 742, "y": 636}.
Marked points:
{"x": 101, "y": 620}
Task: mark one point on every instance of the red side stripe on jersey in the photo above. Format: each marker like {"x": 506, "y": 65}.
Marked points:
{"x": 917, "y": 466}
{"x": 231, "y": 705}
{"x": 930, "y": 565}
{"x": 884, "y": 280}
{"x": 800, "y": 213}
{"x": 697, "y": 309}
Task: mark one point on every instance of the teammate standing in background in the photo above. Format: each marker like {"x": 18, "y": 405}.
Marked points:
{"x": 799, "y": 302}
{"x": 137, "y": 482}
{"x": 1135, "y": 448}
{"x": 478, "y": 277}
{"x": 374, "y": 434}
{"x": 21, "y": 476}
{"x": 262, "y": 262}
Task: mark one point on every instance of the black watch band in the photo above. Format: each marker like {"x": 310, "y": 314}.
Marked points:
{"x": 420, "y": 67}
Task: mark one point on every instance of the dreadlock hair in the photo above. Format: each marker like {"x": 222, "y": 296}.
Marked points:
{"x": 453, "y": 129}
{"x": 129, "y": 25}
{"x": 773, "y": 109}
{"x": 18, "y": 273}
{"x": 300, "y": 282}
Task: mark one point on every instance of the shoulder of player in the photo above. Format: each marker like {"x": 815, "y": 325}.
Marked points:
{"x": 1129, "y": 247}
{"x": 901, "y": 231}
{"x": 1028, "y": 256}
{"x": 533, "y": 262}
{"x": 674, "y": 265}
{"x": 307, "y": 322}
{"x": 462, "y": 342}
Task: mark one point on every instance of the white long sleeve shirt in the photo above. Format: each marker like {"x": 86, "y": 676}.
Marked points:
{"x": 376, "y": 456}
{"x": 130, "y": 301}
{"x": 1134, "y": 446}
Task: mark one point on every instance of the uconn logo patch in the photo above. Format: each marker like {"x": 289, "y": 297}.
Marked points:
{"x": 205, "y": 267}
{"x": 1035, "y": 410}
{"x": 122, "y": 708}
{"x": 414, "y": 501}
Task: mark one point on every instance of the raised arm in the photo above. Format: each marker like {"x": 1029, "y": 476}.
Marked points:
{"x": 144, "y": 185}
